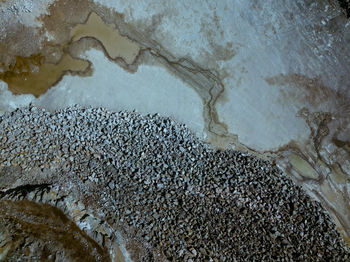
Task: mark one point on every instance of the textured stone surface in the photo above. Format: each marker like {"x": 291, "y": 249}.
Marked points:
{"x": 147, "y": 188}
{"x": 40, "y": 232}
{"x": 270, "y": 77}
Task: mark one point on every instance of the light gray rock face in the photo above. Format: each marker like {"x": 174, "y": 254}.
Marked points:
{"x": 147, "y": 188}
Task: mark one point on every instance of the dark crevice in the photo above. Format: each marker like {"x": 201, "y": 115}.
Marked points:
{"x": 345, "y": 4}
{"x": 22, "y": 191}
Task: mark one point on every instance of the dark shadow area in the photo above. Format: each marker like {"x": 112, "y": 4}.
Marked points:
{"x": 345, "y": 4}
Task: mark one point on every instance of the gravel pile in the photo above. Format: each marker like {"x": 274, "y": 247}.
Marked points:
{"x": 180, "y": 197}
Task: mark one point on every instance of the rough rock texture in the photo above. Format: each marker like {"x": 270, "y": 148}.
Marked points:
{"x": 267, "y": 76}
{"x": 148, "y": 179}
{"x": 40, "y": 232}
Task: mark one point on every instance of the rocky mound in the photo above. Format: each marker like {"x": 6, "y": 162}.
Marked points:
{"x": 150, "y": 181}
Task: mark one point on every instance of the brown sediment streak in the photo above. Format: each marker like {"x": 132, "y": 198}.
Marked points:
{"x": 307, "y": 90}
{"x": 341, "y": 220}
{"x": 310, "y": 164}
{"x": 114, "y": 43}
{"x": 209, "y": 87}
{"x": 72, "y": 23}
{"x": 29, "y": 221}
{"x": 344, "y": 144}
{"x": 119, "y": 255}
{"x": 335, "y": 198}
{"x": 206, "y": 83}
{"x": 320, "y": 174}
{"x": 31, "y": 76}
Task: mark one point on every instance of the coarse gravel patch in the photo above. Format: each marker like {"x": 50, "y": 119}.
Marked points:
{"x": 181, "y": 198}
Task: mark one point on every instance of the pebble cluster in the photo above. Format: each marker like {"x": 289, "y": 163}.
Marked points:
{"x": 186, "y": 200}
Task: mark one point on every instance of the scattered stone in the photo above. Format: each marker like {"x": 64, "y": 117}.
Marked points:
{"x": 175, "y": 197}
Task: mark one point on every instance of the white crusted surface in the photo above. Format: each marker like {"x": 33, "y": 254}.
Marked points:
{"x": 151, "y": 89}
{"x": 23, "y": 11}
